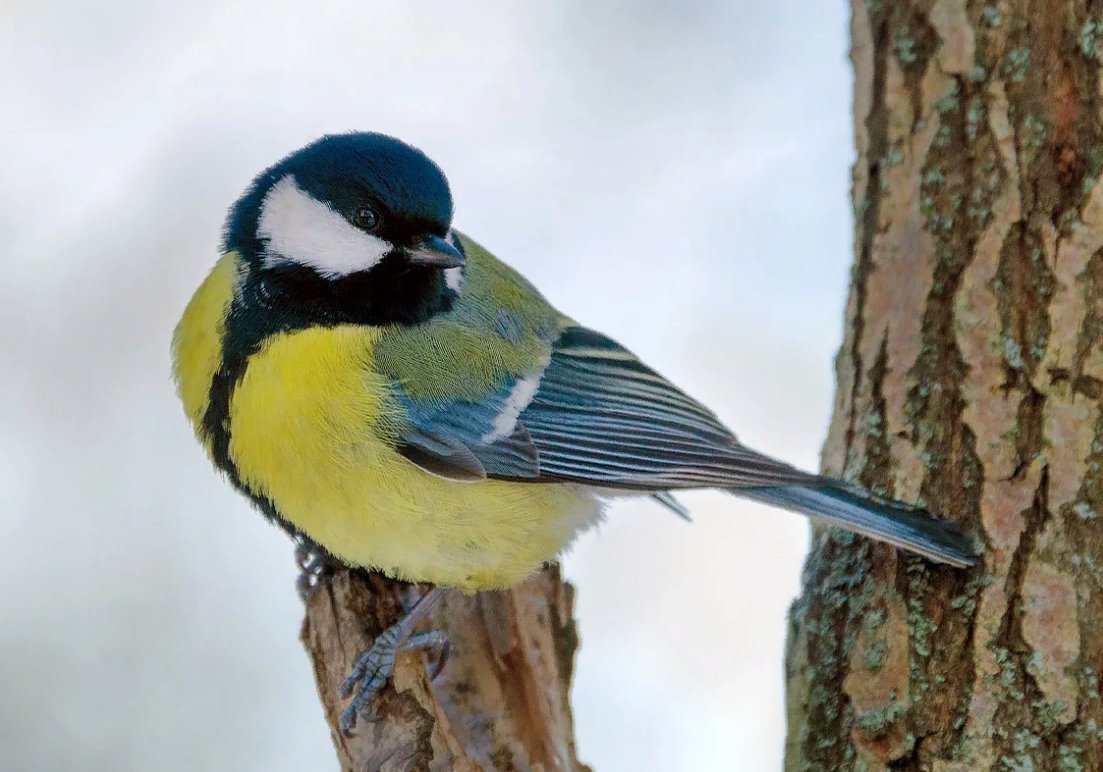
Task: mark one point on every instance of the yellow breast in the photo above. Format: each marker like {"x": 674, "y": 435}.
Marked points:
{"x": 309, "y": 432}
{"x": 197, "y": 341}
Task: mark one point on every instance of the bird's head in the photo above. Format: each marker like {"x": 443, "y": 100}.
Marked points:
{"x": 352, "y": 228}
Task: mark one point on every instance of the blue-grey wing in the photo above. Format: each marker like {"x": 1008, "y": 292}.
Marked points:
{"x": 594, "y": 415}
{"x": 602, "y": 417}
{"x": 598, "y": 416}
{"x": 469, "y": 440}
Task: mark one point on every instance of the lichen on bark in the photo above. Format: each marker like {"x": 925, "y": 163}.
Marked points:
{"x": 969, "y": 380}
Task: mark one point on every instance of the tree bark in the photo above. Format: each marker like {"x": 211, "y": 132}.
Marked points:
{"x": 501, "y": 702}
{"x": 969, "y": 380}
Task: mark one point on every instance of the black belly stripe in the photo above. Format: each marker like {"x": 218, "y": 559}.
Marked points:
{"x": 216, "y": 425}
{"x": 288, "y": 298}
{"x": 216, "y": 421}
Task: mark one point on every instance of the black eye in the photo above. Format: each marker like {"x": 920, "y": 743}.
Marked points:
{"x": 367, "y": 218}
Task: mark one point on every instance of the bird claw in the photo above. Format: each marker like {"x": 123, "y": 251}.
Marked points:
{"x": 444, "y": 649}
{"x": 375, "y": 667}
{"x": 314, "y": 566}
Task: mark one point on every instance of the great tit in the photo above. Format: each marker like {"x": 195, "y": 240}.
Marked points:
{"x": 383, "y": 387}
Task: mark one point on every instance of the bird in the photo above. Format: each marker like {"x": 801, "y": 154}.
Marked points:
{"x": 384, "y": 388}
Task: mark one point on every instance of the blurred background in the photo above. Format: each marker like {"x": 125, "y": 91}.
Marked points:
{"x": 676, "y": 177}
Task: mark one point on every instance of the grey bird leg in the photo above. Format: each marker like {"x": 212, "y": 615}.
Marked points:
{"x": 410, "y": 596}
{"x": 376, "y": 666}
{"x": 314, "y": 566}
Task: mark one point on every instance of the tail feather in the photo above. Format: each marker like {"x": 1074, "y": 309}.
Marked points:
{"x": 909, "y": 528}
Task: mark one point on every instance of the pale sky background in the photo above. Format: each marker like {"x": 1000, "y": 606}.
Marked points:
{"x": 676, "y": 178}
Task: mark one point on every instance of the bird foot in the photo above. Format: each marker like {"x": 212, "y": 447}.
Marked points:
{"x": 315, "y": 566}
{"x": 375, "y": 667}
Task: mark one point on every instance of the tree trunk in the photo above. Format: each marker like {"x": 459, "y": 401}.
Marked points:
{"x": 501, "y": 702}
{"x": 969, "y": 380}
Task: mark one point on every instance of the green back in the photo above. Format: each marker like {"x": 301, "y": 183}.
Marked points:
{"x": 500, "y": 328}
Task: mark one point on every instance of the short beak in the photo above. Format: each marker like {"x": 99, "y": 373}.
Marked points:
{"x": 436, "y": 252}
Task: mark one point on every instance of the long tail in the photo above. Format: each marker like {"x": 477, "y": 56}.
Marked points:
{"x": 907, "y": 527}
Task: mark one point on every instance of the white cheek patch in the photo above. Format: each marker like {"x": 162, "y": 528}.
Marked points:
{"x": 301, "y": 229}
{"x": 519, "y": 398}
{"x": 453, "y": 277}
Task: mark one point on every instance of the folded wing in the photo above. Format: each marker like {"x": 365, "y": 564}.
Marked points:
{"x": 602, "y": 417}
{"x": 594, "y": 415}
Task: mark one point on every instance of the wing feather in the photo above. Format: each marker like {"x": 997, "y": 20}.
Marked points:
{"x": 435, "y": 434}
{"x": 601, "y": 416}
{"x": 595, "y": 415}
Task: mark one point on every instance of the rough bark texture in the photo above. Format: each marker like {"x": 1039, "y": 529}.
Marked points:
{"x": 970, "y": 380}
{"x": 500, "y": 704}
